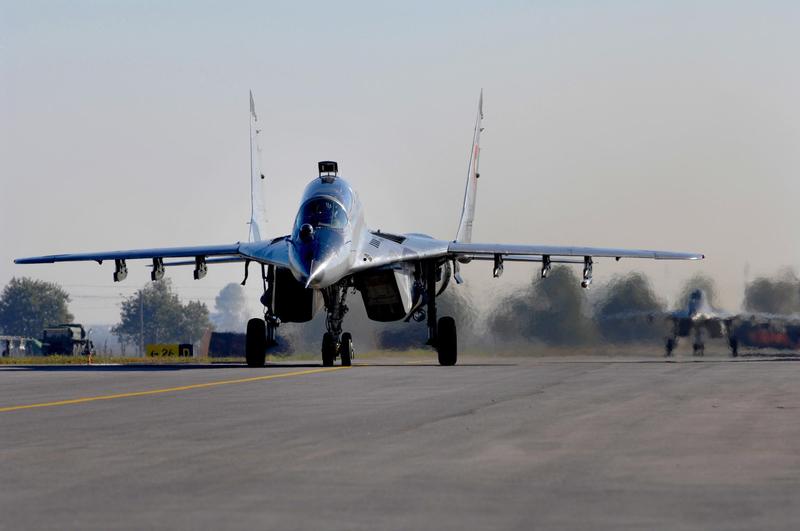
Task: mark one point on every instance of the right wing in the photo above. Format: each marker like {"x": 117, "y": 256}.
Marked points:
{"x": 134, "y": 254}
{"x": 274, "y": 252}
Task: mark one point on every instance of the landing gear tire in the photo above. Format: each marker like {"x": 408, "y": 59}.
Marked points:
{"x": 255, "y": 349}
{"x": 346, "y": 349}
{"x": 670, "y": 346}
{"x": 447, "y": 344}
{"x": 328, "y": 349}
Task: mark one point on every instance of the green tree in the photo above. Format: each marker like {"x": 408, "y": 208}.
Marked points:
{"x": 628, "y": 309}
{"x": 780, "y": 294}
{"x": 552, "y": 310}
{"x": 28, "y": 305}
{"x": 164, "y": 318}
{"x": 454, "y": 302}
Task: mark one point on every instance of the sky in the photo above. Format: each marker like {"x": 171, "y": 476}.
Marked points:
{"x": 664, "y": 125}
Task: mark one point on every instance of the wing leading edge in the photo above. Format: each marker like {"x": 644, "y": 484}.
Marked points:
{"x": 273, "y": 252}
{"x": 134, "y": 254}
{"x": 458, "y": 248}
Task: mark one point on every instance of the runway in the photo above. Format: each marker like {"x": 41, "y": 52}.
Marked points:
{"x": 489, "y": 444}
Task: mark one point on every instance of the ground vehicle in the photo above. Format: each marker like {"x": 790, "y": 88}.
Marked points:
{"x": 69, "y": 338}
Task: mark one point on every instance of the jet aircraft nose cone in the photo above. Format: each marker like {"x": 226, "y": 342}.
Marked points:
{"x": 316, "y": 273}
{"x": 314, "y": 263}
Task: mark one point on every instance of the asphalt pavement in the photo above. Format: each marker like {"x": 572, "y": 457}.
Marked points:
{"x": 489, "y": 444}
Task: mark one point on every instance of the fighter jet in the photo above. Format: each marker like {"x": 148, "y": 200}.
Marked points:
{"x": 331, "y": 252}
{"x": 700, "y": 320}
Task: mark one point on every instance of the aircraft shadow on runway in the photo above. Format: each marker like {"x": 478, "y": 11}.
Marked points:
{"x": 187, "y": 367}
{"x": 155, "y": 367}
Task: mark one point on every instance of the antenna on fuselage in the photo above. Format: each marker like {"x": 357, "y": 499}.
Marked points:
{"x": 328, "y": 170}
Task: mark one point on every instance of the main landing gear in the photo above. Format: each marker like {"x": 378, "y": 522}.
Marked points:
{"x": 334, "y": 342}
{"x": 261, "y": 332}
{"x": 260, "y": 336}
{"x": 442, "y": 333}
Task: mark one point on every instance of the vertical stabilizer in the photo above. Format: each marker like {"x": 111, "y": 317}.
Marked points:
{"x": 258, "y": 214}
{"x": 464, "y": 233}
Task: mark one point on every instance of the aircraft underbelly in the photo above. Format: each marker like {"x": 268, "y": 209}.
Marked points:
{"x": 292, "y": 302}
{"x": 387, "y": 291}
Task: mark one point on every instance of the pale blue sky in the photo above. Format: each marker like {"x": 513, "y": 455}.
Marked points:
{"x": 669, "y": 125}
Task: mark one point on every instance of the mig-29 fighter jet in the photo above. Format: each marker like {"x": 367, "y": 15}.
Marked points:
{"x": 332, "y": 251}
{"x": 701, "y": 320}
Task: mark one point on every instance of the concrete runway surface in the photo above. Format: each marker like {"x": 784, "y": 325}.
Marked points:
{"x": 489, "y": 444}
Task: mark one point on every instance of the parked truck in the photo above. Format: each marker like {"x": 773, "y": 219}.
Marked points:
{"x": 69, "y": 339}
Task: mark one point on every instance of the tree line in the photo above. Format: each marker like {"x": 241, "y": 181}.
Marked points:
{"x": 553, "y": 310}
{"x": 154, "y": 314}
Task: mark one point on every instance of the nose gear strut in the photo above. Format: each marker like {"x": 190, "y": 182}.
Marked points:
{"x": 334, "y": 342}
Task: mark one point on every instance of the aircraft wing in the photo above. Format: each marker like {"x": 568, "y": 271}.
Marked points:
{"x": 765, "y": 317}
{"x": 387, "y": 248}
{"x": 459, "y": 248}
{"x": 134, "y": 254}
{"x": 269, "y": 252}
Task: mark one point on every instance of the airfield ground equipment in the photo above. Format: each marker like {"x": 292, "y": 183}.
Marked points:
{"x": 70, "y": 339}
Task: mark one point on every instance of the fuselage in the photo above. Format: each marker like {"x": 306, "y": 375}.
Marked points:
{"x": 328, "y": 232}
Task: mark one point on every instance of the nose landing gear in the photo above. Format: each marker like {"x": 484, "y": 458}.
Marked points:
{"x": 334, "y": 342}
{"x": 346, "y": 349}
{"x": 698, "y": 347}
{"x": 328, "y": 349}
{"x": 331, "y": 349}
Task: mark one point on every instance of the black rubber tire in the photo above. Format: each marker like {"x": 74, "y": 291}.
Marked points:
{"x": 670, "y": 346}
{"x": 255, "y": 349}
{"x": 346, "y": 349}
{"x": 447, "y": 347}
{"x": 328, "y": 349}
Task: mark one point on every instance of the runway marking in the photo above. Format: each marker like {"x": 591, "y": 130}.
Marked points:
{"x": 168, "y": 389}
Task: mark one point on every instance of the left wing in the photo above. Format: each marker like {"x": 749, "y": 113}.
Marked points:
{"x": 458, "y": 248}
{"x": 387, "y": 248}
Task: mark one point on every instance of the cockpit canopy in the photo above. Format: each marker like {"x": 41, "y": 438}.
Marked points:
{"x": 322, "y": 212}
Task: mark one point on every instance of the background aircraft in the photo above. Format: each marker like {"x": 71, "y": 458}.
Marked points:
{"x": 699, "y": 320}
{"x": 331, "y": 252}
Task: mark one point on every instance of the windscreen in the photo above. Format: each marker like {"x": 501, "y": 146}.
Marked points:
{"x": 322, "y": 212}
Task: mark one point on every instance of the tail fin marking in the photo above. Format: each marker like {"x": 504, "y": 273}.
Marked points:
{"x": 464, "y": 233}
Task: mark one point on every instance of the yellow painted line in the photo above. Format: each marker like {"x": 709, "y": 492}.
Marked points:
{"x": 168, "y": 390}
